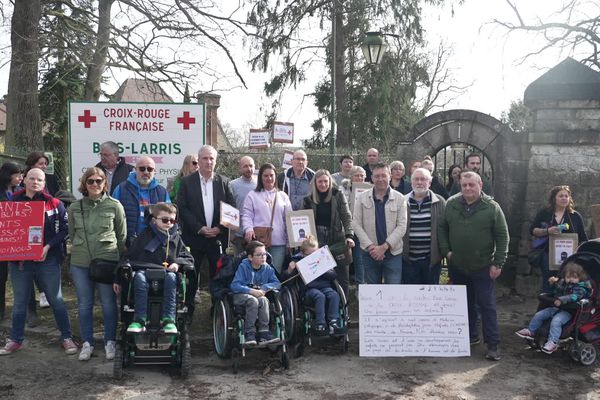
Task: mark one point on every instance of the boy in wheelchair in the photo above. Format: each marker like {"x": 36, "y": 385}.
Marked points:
{"x": 573, "y": 287}
{"x": 159, "y": 244}
{"x": 320, "y": 293}
{"x": 252, "y": 280}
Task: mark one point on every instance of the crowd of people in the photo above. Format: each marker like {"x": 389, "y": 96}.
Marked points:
{"x": 399, "y": 230}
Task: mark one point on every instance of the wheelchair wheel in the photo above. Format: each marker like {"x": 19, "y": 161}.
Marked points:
{"x": 587, "y": 354}
{"x": 118, "y": 363}
{"x": 290, "y": 307}
{"x": 285, "y": 359}
{"x": 299, "y": 349}
{"x": 235, "y": 360}
{"x": 222, "y": 319}
{"x": 574, "y": 351}
{"x": 186, "y": 362}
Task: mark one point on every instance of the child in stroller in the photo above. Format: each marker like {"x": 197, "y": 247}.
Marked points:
{"x": 571, "y": 288}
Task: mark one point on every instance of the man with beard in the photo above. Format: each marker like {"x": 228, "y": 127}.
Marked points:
{"x": 421, "y": 254}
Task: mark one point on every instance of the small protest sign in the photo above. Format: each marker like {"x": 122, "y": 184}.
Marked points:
{"x": 300, "y": 224}
{"x": 313, "y": 266}
{"x": 259, "y": 139}
{"x": 230, "y": 216}
{"x": 283, "y": 132}
{"x": 21, "y": 230}
{"x": 288, "y": 156}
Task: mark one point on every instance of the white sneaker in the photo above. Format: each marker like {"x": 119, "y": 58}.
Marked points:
{"x": 86, "y": 351}
{"x": 110, "y": 348}
{"x": 44, "y": 301}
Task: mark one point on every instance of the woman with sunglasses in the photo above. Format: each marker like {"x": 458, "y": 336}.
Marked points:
{"x": 159, "y": 244}
{"x": 97, "y": 230}
{"x": 190, "y": 165}
{"x": 559, "y": 216}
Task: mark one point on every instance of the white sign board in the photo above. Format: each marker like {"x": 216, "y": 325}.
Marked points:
{"x": 288, "y": 156}
{"x": 230, "y": 216}
{"x": 167, "y": 132}
{"x": 413, "y": 320}
{"x": 313, "y": 266}
{"x": 283, "y": 132}
{"x": 259, "y": 139}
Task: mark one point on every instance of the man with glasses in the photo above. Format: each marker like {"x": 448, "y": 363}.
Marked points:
{"x": 295, "y": 181}
{"x": 139, "y": 191}
{"x": 115, "y": 168}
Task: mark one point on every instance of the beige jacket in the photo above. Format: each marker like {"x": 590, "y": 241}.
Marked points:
{"x": 395, "y": 220}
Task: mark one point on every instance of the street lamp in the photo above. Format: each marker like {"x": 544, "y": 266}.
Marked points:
{"x": 373, "y": 47}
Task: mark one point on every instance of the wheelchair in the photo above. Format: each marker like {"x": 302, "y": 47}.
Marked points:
{"x": 300, "y": 319}
{"x": 228, "y": 319}
{"x": 152, "y": 346}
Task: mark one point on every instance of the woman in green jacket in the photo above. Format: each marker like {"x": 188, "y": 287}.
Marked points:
{"x": 97, "y": 230}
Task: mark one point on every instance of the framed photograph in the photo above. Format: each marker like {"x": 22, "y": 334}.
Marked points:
{"x": 357, "y": 188}
{"x": 561, "y": 247}
{"x": 283, "y": 132}
{"x": 300, "y": 224}
{"x": 259, "y": 139}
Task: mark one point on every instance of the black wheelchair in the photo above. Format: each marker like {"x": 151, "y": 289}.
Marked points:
{"x": 300, "y": 319}
{"x": 228, "y": 319}
{"x": 152, "y": 346}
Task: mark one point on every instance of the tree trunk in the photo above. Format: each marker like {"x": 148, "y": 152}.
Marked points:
{"x": 23, "y": 124}
{"x": 343, "y": 139}
{"x": 96, "y": 67}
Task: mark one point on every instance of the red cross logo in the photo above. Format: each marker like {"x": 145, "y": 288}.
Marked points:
{"x": 87, "y": 118}
{"x": 186, "y": 120}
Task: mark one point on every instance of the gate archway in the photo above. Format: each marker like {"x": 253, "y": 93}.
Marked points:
{"x": 506, "y": 154}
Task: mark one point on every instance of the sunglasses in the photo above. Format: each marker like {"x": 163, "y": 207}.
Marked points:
{"x": 144, "y": 169}
{"x": 95, "y": 181}
{"x": 166, "y": 220}
{"x": 194, "y": 162}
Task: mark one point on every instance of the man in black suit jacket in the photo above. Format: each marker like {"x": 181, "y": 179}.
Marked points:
{"x": 199, "y": 201}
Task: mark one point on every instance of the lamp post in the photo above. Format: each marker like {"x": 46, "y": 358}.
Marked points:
{"x": 373, "y": 47}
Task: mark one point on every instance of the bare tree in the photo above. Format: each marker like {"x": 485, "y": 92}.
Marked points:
{"x": 573, "y": 27}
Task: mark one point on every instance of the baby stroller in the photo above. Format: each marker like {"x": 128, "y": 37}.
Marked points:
{"x": 228, "y": 319}
{"x": 301, "y": 322}
{"x": 581, "y": 334}
{"x": 152, "y": 346}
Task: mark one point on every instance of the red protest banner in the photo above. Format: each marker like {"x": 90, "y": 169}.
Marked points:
{"x": 21, "y": 230}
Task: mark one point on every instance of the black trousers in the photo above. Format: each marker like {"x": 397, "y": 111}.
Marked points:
{"x": 199, "y": 251}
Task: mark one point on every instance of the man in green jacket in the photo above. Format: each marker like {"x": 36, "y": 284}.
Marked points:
{"x": 474, "y": 238}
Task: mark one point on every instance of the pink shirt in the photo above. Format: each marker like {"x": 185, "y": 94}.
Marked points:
{"x": 257, "y": 212}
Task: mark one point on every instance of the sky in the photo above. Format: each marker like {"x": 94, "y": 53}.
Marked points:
{"x": 484, "y": 58}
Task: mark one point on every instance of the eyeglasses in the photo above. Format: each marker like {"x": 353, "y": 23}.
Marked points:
{"x": 193, "y": 163}
{"x": 94, "y": 181}
{"x": 260, "y": 255}
{"x": 144, "y": 169}
{"x": 299, "y": 159}
{"x": 166, "y": 220}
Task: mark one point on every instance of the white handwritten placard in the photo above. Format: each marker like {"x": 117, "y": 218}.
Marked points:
{"x": 230, "y": 216}
{"x": 283, "y": 132}
{"x": 413, "y": 321}
{"x": 259, "y": 139}
{"x": 313, "y": 266}
{"x": 288, "y": 156}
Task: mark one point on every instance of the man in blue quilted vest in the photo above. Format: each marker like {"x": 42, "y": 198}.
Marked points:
{"x": 139, "y": 191}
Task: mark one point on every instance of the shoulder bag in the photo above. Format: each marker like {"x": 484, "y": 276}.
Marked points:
{"x": 101, "y": 271}
{"x": 263, "y": 233}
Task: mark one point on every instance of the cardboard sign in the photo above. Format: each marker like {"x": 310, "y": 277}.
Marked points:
{"x": 164, "y": 131}
{"x": 300, "y": 224}
{"x": 561, "y": 247}
{"x": 313, "y": 266}
{"x": 230, "y": 216}
{"x": 50, "y": 168}
{"x": 288, "y": 156}
{"x": 357, "y": 189}
{"x": 413, "y": 321}
{"x": 259, "y": 139}
{"x": 21, "y": 230}
{"x": 283, "y": 132}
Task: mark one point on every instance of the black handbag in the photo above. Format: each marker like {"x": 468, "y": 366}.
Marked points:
{"x": 534, "y": 257}
{"x": 341, "y": 253}
{"x": 100, "y": 271}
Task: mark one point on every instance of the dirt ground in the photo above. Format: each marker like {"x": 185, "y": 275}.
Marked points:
{"x": 42, "y": 371}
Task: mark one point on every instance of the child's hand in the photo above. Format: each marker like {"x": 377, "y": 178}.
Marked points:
{"x": 557, "y": 303}
{"x": 257, "y": 293}
{"x": 174, "y": 267}
{"x": 292, "y": 266}
{"x": 552, "y": 280}
{"x": 117, "y": 288}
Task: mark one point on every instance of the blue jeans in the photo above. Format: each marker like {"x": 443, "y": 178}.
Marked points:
{"x": 480, "y": 292}
{"x": 389, "y": 269}
{"x": 85, "y": 289}
{"x": 277, "y": 257}
{"x": 47, "y": 274}
{"x": 140, "y": 289}
{"x": 419, "y": 272}
{"x": 357, "y": 260}
{"x": 559, "y": 319}
{"x": 319, "y": 298}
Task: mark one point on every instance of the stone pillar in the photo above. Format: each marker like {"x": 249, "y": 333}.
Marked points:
{"x": 212, "y": 102}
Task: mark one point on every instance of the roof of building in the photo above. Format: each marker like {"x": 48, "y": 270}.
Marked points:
{"x": 141, "y": 90}
{"x": 569, "y": 80}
